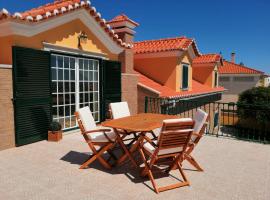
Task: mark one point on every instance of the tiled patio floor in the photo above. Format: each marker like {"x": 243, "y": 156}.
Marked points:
{"x": 233, "y": 170}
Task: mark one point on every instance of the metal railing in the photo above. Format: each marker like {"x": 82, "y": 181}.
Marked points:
{"x": 245, "y": 122}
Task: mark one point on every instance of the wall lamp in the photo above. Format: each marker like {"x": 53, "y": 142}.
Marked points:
{"x": 82, "y": 38}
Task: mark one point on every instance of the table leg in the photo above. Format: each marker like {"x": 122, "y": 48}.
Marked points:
{"x": 127, "y": 152}
{"x": 133, "y": 148}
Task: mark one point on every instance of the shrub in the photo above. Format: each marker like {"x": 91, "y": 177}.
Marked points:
{"x": 55, "y": 126}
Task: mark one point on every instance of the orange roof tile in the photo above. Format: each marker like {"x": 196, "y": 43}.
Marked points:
{"x": 164, "y": 91}
{"x": 233, "y": 68}
{"x": 207, "y": 58}
{"x": 122, "y": 18}
{"x": 60, "y": 7}
{"x": 167, "y": 44}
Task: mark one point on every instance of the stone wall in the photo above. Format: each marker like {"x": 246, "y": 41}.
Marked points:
{"x": 129, "y": 91}
{"x": 7, "y": 135}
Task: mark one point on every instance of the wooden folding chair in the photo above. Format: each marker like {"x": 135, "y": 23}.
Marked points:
{"x": 104, "y": 138}
{"x": 201, "y": 118}
{"x": 171, "y": 144}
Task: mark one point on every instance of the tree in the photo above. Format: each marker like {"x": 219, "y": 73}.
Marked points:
{"x": 255, "y": 104}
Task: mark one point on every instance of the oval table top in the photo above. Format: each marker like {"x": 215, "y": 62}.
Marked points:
{"x": 142, "y": 122}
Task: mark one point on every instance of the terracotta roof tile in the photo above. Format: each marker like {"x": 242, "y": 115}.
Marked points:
{"x": 60, "y": 7}
{"x": 167, "y": 44}
{"x": 207, "y": 58}
{"x": 233, "y": 68}
{"x": 122, "y": 18}
{"x": 164, "y": 91}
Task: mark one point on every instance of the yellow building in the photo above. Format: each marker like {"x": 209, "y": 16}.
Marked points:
{"x": 57, "y": 58}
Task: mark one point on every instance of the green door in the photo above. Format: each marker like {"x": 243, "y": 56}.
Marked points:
{"x": 111, "y": 85}
{"x": 31, "y": 94}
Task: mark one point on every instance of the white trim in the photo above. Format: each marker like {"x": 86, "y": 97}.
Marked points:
{"x": 5, "y": 66}
{"x": 125, "y": 29}
{"x": 61, "y": 49}
{"x": 191, "y": 52}
{"x": 129, "y": 74}
{"x": 31, "y": 29}
{"x": 175, "y": 53}
{"x": 148, "y": 88}
{"x": 122, "y": 24}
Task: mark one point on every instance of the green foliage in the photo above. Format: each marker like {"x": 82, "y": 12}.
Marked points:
{"x": 255, "y": 104}
{"x": 55, "y": 126}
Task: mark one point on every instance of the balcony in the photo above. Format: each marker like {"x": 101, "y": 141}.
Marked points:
{"x": 233, "y": 169}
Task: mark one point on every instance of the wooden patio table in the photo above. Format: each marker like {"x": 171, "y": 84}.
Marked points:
{"x": 140, "y": 123}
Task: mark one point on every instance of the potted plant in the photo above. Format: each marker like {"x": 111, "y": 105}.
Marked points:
{"x": 55, "y": 132}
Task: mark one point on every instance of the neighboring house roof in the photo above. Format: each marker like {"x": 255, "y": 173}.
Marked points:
{"x": 58, "y": 8}
{"x": 207, "y": 58}
{"x": 122, "y": 18}
{"x": 167, "y": 44}
{"x": 233, "y": 68}
{"x": 166, "y": 92}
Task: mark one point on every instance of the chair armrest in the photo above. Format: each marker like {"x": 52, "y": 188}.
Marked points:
{"x": 196, "y": 134}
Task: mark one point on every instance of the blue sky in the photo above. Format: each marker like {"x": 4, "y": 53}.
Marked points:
{"x": 242, "y": 26}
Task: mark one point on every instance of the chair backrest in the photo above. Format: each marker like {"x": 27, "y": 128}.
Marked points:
{"x": 175, "y": 134}
{"x": 119, "y": 110}
{"x": 85, "y": 119}
{"x": 200, "y": 119}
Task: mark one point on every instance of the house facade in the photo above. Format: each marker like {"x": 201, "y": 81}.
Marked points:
{"x": 57, "y": 58}
{"x": 174, "y": 68}
{"x": 237, "y": 78}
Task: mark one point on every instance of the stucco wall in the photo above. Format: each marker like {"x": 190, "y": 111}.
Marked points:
{"x": 165, "y": 70}
{"x": 236, "y": 87}
{"x": 65, "y": 35}
{"x": 205, "y": 73}
{"x": 7, "y": 137}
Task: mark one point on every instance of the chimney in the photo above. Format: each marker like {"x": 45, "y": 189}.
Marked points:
{"x": 123, "y": 27}
{"x": 233, "y": 57}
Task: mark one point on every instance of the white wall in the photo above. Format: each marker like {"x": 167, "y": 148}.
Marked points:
{"x": 237, "y": 86}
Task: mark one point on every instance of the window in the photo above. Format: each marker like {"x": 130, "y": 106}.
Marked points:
{"x": 224, "y": 79}
{"x": 243, "y": 78}
{"x": 75, "y": 84}
{"x": 185, "y": 77}
{"x": 216, "y": 79}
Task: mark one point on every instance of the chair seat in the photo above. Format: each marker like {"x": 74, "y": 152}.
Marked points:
{"x": 150, "y": 148}
{"x": 100, "y": 137}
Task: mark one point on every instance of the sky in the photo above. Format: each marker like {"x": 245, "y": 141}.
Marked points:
{"x": 240, "y": 26}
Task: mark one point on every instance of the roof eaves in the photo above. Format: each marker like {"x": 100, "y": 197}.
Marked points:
{"x": 26, "y": 17}
{"x": 149, "y": 88}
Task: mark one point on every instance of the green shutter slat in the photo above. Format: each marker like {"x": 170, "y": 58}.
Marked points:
{"x": 111, "y": 85}
{"x": 32, "y": 94}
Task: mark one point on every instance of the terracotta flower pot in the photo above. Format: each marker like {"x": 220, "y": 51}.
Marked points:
{"x": 55, "y": 136}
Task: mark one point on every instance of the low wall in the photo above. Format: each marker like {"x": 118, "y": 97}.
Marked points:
{"x": 7, "y": 133}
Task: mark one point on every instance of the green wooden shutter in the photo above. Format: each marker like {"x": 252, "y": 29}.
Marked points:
{"x": 216, "y": 79}
{"x": 185, "y": 77}
{"x": 111, "y": 85}
{"x": 32, "y": 94}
